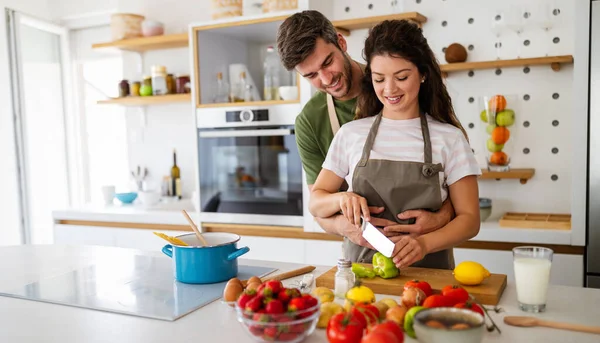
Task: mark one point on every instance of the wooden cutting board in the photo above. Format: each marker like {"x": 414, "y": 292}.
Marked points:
{"x": 488, "y": 292}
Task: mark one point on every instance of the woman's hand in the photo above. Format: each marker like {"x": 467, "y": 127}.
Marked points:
{"x": 408, "y": 250}
{"x": 353, "y": 206}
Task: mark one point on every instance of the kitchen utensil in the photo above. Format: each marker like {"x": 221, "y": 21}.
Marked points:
{"x": 172, "y": 240}
{"x": 449, "y": 317}
{"x": 215, "y": 262}
{"x": 194, "y": 227}
{"x": 488, "y": 292}
{"x": 126, "y": 198}
{"x": 149, "y": 198}
{"x": 377, "y": 239}
{"x": 524, "y": 321}
{"x": 285, "y": 275}
{"x": 152, "y": 28}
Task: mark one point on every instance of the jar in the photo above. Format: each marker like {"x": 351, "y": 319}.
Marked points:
{"x": 146, "y": 88}
{"x": 135, "y": 88}
{"x": 123, "y": 88}
{"x": 159, "y": 80}
{"x": 171, "y": 89}
{"x": 183, "y": 84}
{"x": 497, "y": 112}
{"x": 344, "y": 278}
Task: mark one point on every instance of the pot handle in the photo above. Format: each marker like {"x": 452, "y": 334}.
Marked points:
{"x": 168, "y": 250}
{"x": 237, "y": 253}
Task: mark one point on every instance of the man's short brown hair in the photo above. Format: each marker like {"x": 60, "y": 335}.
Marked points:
{"x": 297, "y": 36}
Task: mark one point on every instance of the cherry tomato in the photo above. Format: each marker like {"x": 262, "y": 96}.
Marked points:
{"x": 471, "y": 306}
{"x": 438, "y": 300}
{"x": 459, "y": 294}
{"x": 422, "y": 285}
{"x": 344, "y": 328}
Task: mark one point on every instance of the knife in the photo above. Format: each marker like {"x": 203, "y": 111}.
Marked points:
{"x": 377, "y": 239}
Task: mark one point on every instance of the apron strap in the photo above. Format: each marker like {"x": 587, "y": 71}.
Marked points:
{"x": 370, "y": 141}
{"x": 333, "y": 120}
{"x": 426, "y": 139}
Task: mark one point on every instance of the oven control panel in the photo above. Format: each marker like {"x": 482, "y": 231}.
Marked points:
{"x": 247, "y": 116}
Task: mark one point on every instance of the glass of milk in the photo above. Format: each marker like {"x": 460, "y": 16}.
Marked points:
{"x": 532, "y": 276}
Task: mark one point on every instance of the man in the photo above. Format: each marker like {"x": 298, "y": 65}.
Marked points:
{"x": 308, "y": 42}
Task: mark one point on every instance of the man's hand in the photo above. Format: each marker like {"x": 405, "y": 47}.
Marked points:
{"x": 354, "y": 234}
{"x": 426, "y": 221}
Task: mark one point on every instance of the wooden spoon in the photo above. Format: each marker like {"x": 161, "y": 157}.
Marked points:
{"x": 286, "y": 275}
{"x": 195, "y": 228}
{"x": 531, "y": 321}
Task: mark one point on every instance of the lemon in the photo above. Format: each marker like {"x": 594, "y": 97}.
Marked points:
{"x": 360, "y": 294}
{"x": 470, "y": 273}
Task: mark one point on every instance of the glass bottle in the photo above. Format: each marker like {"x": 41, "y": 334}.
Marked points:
{"x": 271, "y": 68}
{"x": 159, "y": 80}
{"x": 240, "y": 88}
{"x": 221, "y": 92}
{"x": 344, "y": 278}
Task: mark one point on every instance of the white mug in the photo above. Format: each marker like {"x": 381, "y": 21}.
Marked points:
{"x": 108, "y": 194}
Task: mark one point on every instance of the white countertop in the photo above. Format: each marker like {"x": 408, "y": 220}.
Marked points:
{"x": 490, "y": 230}
{"x": 31, "y": 321}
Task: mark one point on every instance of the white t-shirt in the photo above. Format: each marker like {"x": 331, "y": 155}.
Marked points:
{"x": 402, "y": 140}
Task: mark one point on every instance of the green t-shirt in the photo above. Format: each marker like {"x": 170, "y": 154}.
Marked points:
{"x": 314, "y": 134}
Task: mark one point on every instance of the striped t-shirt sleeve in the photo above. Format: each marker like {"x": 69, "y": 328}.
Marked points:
{"x": 337, "y": 156}
{"x": 461, "y": 161}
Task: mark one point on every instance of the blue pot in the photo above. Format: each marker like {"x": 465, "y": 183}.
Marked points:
{"x": 216, "y": 262}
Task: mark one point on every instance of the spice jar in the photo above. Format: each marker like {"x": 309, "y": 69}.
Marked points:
{"x": 171, "y": 88}
{"x": 159, "y": 80}
{"x": 344, "y": 278}
{"x": 146, "y": 88}
{"x": 135, "y": 88}
{"x": 123, "y": 88}
{"x": 183, "y": 84}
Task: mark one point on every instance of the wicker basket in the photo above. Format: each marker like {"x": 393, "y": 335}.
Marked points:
{"x": 126, "y": 25}
{"x": 279, "y": 5}
{"x": 226, "y": 8}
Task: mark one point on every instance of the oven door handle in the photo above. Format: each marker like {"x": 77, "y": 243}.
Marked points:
{"x": 246, "y": 133}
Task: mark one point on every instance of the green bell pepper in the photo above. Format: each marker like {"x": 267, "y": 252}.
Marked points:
{"x": 362, "y": 271}
{"x": 384, "y": 267}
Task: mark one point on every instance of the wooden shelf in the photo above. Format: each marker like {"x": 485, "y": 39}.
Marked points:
{"x": 148, "y": 100}
{"x": 345, "y": 26}
{"x": 536, "y": 221}
{"x": 250, "y": 103}
{"x": 553, "y": 61}
{"x": 522, "y": 174}
{"x": 142, "y": 44}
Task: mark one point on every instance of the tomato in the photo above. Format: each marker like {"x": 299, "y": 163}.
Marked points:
{"x": 459, "y": 294}
{"x": 422, "y": 285}
{"x": 390, "y": 326}
{"x": 471, "y": 306}
{"x": 344, "y": 328}
{"x": 438, "y": 300}
{"x": 380, "y": 336}
{"x": 370, "y": 312}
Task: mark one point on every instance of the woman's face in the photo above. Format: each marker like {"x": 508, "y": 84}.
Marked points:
{"x": 396, "y": 82}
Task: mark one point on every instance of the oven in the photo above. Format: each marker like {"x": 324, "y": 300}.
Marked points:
{"x": 249, "y": 168}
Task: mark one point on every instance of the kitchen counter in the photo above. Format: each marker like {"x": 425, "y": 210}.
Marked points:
{"x": 171, "y": 215}
{"x": 30, "y": 321}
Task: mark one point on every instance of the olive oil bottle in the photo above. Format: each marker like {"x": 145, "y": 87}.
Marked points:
{"x": 175, "y": 177}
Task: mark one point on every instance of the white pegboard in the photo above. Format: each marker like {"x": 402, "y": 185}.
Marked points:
{"x": 469, "y": 22}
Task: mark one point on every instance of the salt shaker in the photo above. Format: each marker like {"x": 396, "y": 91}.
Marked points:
{"x": 344, "y": 278}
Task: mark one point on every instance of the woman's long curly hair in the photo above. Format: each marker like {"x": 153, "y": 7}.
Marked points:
{"x": 401, "y": 38}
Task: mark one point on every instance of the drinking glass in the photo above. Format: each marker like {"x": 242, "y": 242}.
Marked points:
{"x": 532, "y": 275}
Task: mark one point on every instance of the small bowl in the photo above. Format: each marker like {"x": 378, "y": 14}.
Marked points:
{"x": 485, "y": 209}
{"x": 291, "y": 327}
{"x": 126, "y": 198}
{"x": 152, "y": 28}
{"x": 149, "y": 198}
{"x": 449, "y": 316}
{"x": 288, "y": 92}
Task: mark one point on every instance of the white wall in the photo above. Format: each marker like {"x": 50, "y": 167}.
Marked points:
{"x": 9, "y": 206}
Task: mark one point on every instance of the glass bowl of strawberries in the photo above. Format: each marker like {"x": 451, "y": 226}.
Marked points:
{"x": 273, "y": 313}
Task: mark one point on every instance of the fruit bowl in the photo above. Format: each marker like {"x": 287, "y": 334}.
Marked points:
{"x": 289, "y": 326}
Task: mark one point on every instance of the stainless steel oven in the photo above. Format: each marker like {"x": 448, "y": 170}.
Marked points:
{"x": 249, "y": 168}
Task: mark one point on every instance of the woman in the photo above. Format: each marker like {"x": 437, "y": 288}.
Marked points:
{"x": 406, "y": 150}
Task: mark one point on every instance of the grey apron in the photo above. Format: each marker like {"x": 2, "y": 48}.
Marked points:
{"x": 398, "y": 186}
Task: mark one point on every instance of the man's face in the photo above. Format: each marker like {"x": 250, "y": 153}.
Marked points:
{"x": 328, "y": 68}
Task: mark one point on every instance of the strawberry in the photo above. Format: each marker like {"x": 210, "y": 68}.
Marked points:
{"x": 270, "y": 333}
{"x": 253, "y": 304}
{"x": 274, "y": 306}
{"x": 274, "y": 285}
{"x": 265, "y": 291}
{"x": 244, "y": 298}
{"x": 287, "y": 336}
{"x": 286, "y": 294}
{"x": 257, "y": 330}
{"x": 260, "y": 317}
{"x": 297, "y": 328}
{"x": 296, "y": 304}
{"x": 309, "y": 300}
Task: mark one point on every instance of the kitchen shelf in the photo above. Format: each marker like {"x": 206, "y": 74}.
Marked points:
{"x": 522, "y": 174}
{"x": 553, "y": 61}
{"x": 148, "y": 100}
{"x": 142, "y": 44}
{"x": 345, "y": 26}
{"x": 536, "y": 221}
{"x": 249, "y": 103}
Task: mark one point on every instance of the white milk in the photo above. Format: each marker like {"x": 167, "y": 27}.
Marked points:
{"x": 532, "y": 276}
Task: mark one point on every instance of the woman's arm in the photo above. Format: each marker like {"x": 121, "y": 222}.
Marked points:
{"x": 464, "y": 195}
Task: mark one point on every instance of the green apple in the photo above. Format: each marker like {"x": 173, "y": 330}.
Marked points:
{"x": 490, "y": 128}
{"x": 505, "y": 118}
{"x": 484, "y": 116}
{"x": 493, "y": 147}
